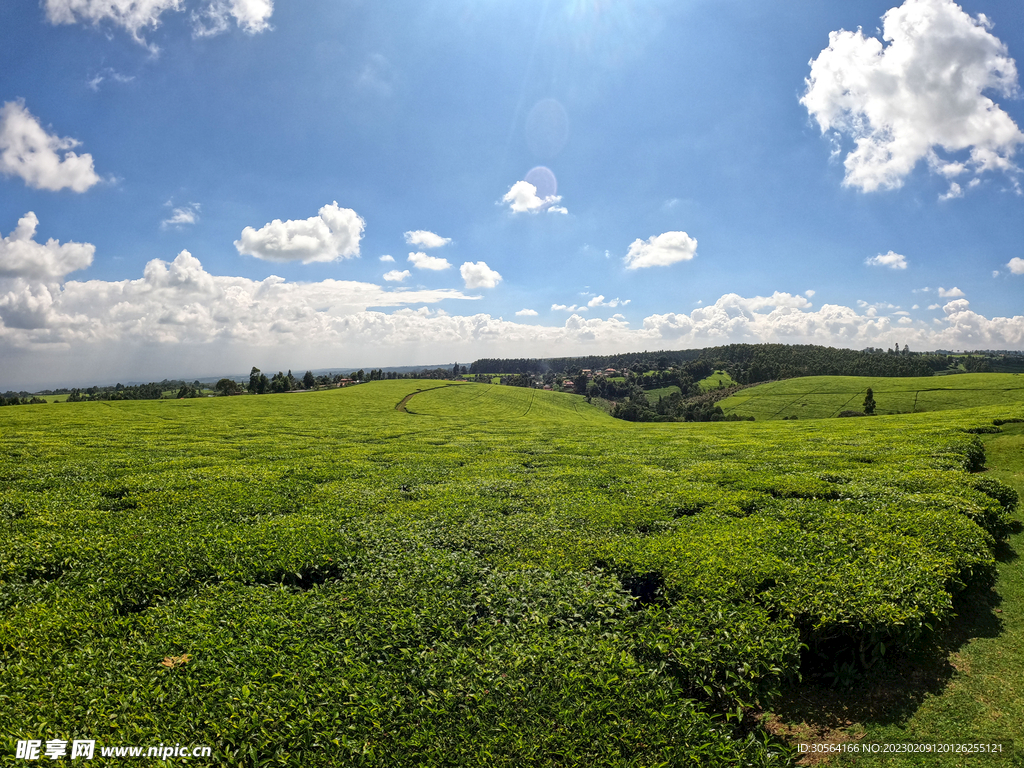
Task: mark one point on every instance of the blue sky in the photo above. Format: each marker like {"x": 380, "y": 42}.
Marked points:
{"x": 193, "y": 187}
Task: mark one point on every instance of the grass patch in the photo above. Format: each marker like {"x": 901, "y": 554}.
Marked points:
{"x": 717, "y": 380}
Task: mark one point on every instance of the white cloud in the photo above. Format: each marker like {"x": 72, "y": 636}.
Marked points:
{"x": 186, "y": 214}
{"x": 951, "y": 293}
{"x": 934, "y": 306}
{"x": 420, "y": 260}
{"x": 526, "y": 313}
{"x": 661, "y": 250}
{"x": 890, "y": 259}
{"x": 953, "y": 192}
{"x": 134, "y": 16}
{"x": 22, "y": 257}
{"x": 396, "y": 275}
{"x": 179, "y": 318}
{"x": 522, "y": 198}
{"x": 42, "y": 160}
{"x": 387, "y": 258}
{"x": 333, "y": 234}
{"x": 567, "y": 308}
{"x": 178, "y": 301}
{"x": 1016, "y": 265}
{"x": 558, "y": 209}
{"x": 108, "y": 74}
{"x": 598, "y": 301}
{"x": 921, "y": 92}
{"x": 871, "y": 310}
{"x": 905, "y": 321}
{"x": 251, "y": 16}
{"x": 995, "y": 273}
{"x": 425, "y": 239}
{"x": 809, "y": 293}
{"x": 478, "y": 275}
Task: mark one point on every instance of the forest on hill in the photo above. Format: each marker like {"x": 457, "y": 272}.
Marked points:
{"x": 754, "y": 363}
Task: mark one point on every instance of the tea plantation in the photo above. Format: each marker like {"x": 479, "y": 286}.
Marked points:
{"x": 484, "y": 575}
{"x": 822, "y": 397}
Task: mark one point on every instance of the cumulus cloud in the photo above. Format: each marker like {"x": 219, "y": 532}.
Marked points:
{"x": 1016, "y": 265}
{"x": 180, "y": 301}
{"x": 420, "y": 260}
{"x": 478, "y": 275}
{"x": 917, "y": 95}
{"x": 598, "y": 301}
{"x": 22, "y": 257}
{"x": 387, "y": 258}
{"x": 950, "y": 293}
{"x": 661, "y": 250}
{"x": 522, "y": 198}
{"x": 567, "y": 308}
{"x": 526, "y": 313}
{"x": 331, "y": 235}
{"x": 890, "y": 259}
{"x": 178, "y": 317}
{"x": 41, "y": 159}
{"x": 397, "y": 275}
{"x": 186, "y": 214}
{"x": 425, "y": 239}
{"x": 135, "y": 16}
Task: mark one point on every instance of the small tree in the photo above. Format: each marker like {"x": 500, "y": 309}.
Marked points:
{"x": 869, "y": 403}
{"x": 227, "y": 387}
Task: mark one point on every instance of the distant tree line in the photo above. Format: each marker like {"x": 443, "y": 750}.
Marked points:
{"x": 152, "y": 391}
{"x": 17, "y": 398}
{"x": 748, "y": 363}
{"x": 259, "y": 384}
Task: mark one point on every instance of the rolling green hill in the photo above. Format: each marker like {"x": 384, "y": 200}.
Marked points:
{"x": 421, "y": 573}
{"x": 822, "y": 397}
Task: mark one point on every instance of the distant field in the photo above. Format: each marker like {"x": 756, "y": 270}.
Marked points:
{"x": 717, "y": 380}
{"x": 654, "y": 394}
{"x": 823, "y": 397}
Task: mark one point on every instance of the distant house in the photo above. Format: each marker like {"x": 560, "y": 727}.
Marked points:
{"x": 610, "y": 371}
{"x": 547, "y": 386}
{"x": 568, "y": 384}
{"x": 346, "y": 382}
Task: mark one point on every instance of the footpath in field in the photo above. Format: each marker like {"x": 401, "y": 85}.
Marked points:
{"x": 822, "y": 397}
{"x": 495, "y": 576}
